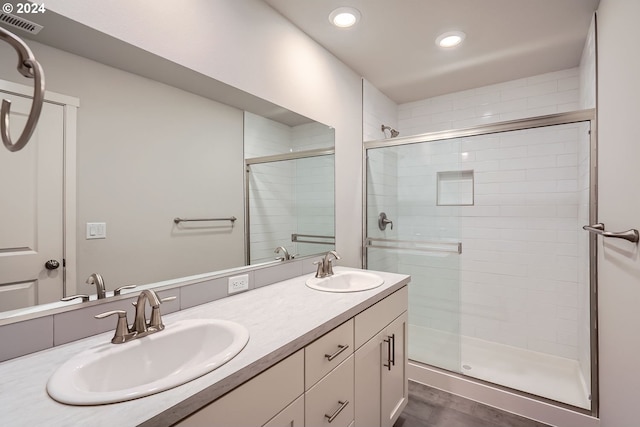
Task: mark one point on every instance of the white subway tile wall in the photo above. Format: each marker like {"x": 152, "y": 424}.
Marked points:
{"x": 550, "y": 93}
{"x": 382, "y": 189}
{"x": 271, "y": 187}
{"x": 314, "y": 184}
{"x": 588, "y": 70}
{"x": 311, "y": 136}
{"x": 272, "y": 209}
{"x": 379, "y": 110}
{"x": 516, "y": 281}
{"x": 264, "y": 137}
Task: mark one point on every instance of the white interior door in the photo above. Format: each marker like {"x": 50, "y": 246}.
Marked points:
{"x": 31, "y": 217}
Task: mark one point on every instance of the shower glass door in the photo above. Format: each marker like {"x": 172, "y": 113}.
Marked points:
{"x": 423, "y": 203}
{"x": 513, "y": 306}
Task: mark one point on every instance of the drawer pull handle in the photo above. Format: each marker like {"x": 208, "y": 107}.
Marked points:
{"x": 341, "y": 348}
{"x": 335, "y": 414}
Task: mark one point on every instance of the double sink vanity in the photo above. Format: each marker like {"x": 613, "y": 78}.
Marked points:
{"x": 304, "y": 351}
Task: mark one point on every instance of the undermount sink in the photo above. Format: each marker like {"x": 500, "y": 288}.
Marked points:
{"x": 183, "y": 351}
{"x": 346, "y": 281}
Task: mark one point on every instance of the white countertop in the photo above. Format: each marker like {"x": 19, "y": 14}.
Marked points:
{"x": 281, "y": 319}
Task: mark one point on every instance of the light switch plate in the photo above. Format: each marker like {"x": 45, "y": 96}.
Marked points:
{"x": 96, "y": 230}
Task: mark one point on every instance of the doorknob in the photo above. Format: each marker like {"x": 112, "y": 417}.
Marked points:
{"x": 52, "y": 264}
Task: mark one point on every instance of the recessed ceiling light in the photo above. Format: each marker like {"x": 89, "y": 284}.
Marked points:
{"x": 450, "y": 39}
{"x": 344, "y": 17}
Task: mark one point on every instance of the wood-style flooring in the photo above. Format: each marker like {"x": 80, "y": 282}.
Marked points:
{"x": 430, "y": 407}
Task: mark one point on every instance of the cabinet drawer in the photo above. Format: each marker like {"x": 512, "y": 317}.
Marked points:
{"x": 256, "y": 401}
{"x": 329, "y": 395}
{"x": 375, "y": 318}
{"x": 291, "y": 416}
{"x": 327, "y": 352}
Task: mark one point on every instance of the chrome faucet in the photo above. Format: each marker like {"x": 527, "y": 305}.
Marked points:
{"x": 325, "y": 268}
{"x": 285, "y": 253}
{"x": 140, "y": 327}
{"x": 96, "y": 279}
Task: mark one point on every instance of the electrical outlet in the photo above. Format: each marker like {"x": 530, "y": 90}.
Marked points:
{"x": 238, "y": 283}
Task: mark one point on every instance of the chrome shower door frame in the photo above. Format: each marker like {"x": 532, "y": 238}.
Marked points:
{"x": 588, "y": 115}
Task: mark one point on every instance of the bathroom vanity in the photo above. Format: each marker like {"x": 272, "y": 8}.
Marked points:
{"x": 311, "y": 356}
{"x": 354, "y": 374}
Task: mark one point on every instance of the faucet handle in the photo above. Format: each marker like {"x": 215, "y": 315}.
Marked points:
{"x": 320, "y": 271}
{"x": 156, "y": 320}
{"x": 328, "y": 266}
{"x": 122, "y": 327}
{"x": 120, "y": 313}
{"x": 118, "y": 291}
{"x": 84, "y": 297}
{"x": 329, "y": 271}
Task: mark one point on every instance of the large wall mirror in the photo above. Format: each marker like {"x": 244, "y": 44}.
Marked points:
{"x": 175, "y": 174}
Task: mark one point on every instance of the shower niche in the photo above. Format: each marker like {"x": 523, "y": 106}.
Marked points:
{"x": 454, "y": 188}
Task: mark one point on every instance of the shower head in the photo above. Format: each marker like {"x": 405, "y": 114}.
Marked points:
{"x": 391, "y": 130}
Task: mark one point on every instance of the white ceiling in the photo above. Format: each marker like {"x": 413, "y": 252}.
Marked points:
{"x": 393, "y": 45}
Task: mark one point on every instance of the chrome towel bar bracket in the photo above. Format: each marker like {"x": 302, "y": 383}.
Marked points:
{"x": 28, "y": 67}
{"x": 630, "y": 235}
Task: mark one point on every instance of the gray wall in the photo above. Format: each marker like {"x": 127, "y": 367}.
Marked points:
{"x": 148, "y": 152}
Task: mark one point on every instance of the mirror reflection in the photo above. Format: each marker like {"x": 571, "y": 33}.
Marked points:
{"x": 119, "y": 154}
{"x": 290, "y": 188}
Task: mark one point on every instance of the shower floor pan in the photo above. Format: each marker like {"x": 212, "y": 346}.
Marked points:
{"x": 551, "y": 377}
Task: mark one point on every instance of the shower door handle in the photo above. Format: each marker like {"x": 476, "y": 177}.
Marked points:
{"x": 629, "y": 235}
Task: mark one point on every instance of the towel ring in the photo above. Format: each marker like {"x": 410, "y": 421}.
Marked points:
{"x": 28, "y": 67}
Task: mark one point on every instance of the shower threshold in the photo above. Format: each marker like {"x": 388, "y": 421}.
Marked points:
{"x": 551, "y": 377}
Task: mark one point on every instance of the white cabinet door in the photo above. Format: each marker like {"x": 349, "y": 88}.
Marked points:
{"x": 381, "y": 388}
{"x": 367, "y": 383}
{"x": 394, "y": 386}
